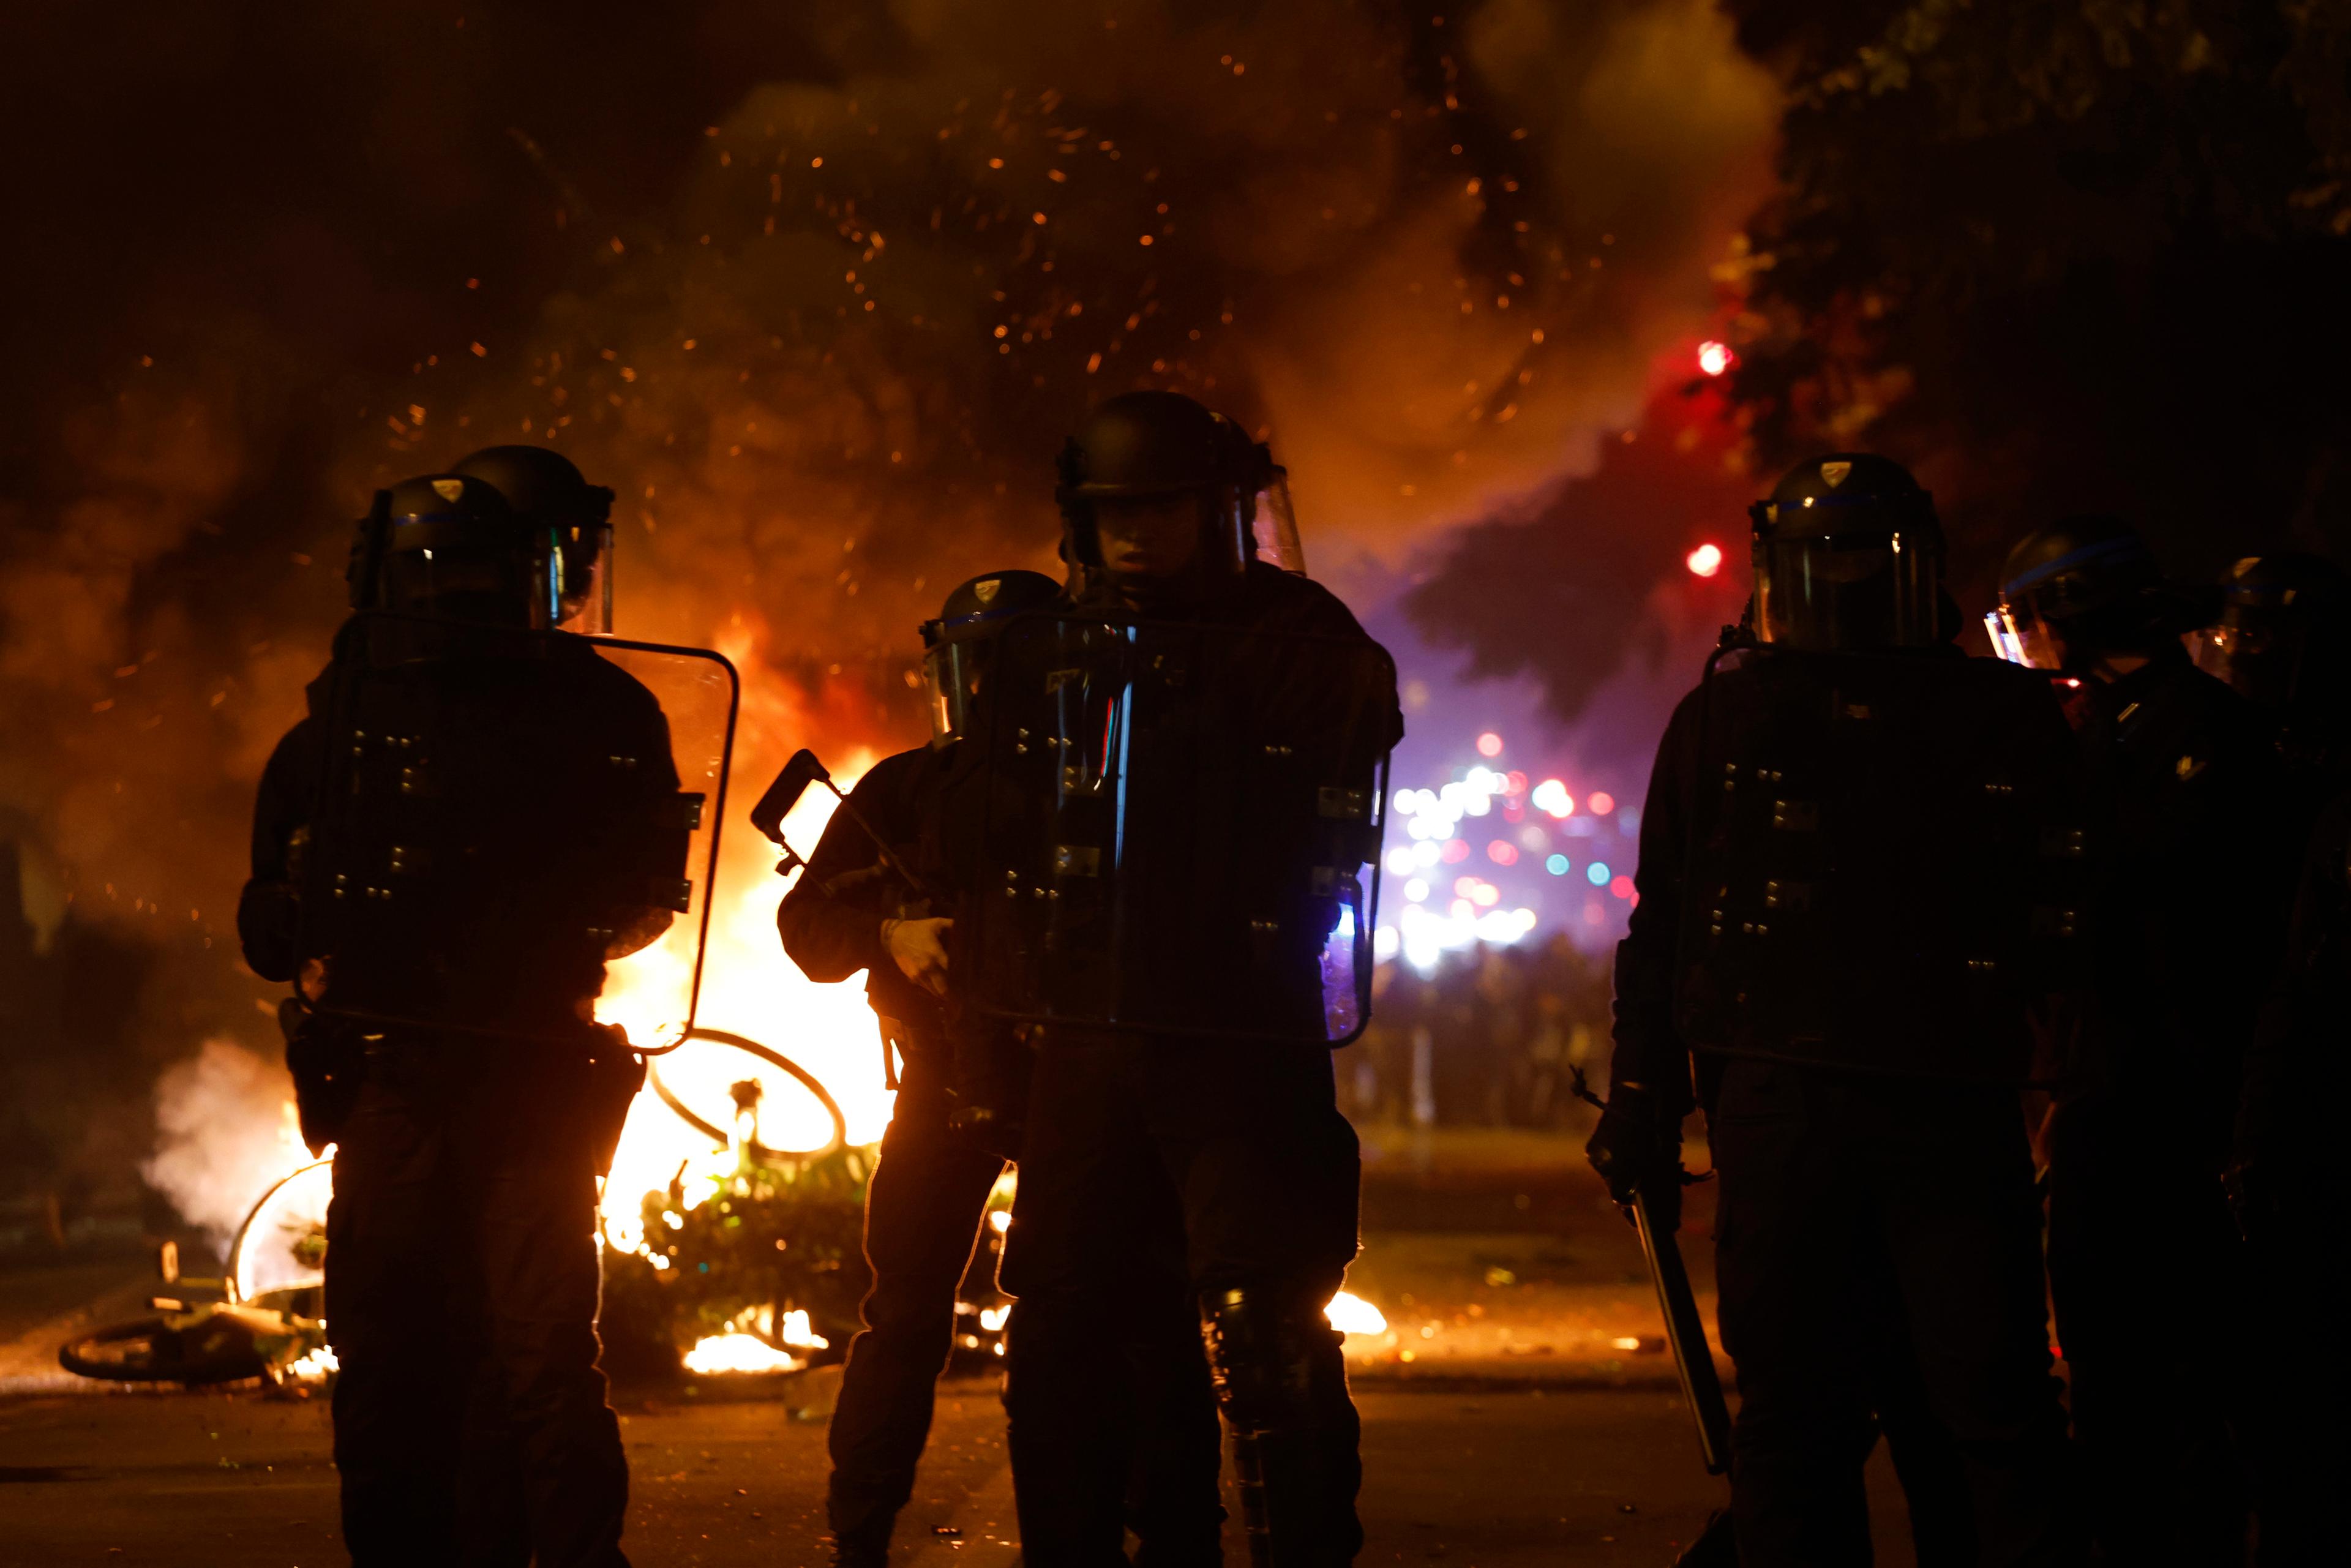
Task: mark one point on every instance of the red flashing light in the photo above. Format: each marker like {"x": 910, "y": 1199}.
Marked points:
{"x": 1705, "y": 560}
{"x": 1714, "y": 358}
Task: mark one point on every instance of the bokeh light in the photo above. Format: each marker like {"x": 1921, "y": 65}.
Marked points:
{"x": 1705, "y": 560}
{"x": 1597, "y": 874}
{"x": 1556, "y": 865}
{"x": 1714, "y": 358}
{"x": 1490, "y": 745}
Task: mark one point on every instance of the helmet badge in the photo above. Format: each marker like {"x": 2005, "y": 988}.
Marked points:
{"x": 985, "y": 591}
{"x": 1835, "y": 473}
{"x": 448, "y": 489}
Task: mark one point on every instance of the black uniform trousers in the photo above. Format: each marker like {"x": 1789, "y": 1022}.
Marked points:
{"x": 2145, "y": 1271}
{"x": 924, "y": 1208}
{"x": 1159, "y": 1172}
{"x": 1877, "y": 1252}
{"x": 461, "y": 1286}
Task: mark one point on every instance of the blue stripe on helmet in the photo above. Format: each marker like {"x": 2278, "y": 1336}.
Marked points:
{"x": 979, "y": 618}
{"x": 2121, "y": 548}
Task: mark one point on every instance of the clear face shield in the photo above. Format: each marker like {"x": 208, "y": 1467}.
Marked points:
{"x": 1275, "y": 526}
{"x": 1849, "y": 591}
{"x": 2020, "y": 636}
{"x": 2257, "y": 650}
{"x": 574, "y": 571}
{"x": 951, "y": 674}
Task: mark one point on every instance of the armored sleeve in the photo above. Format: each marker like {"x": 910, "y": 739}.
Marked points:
{"x": 637, "y": 816}
{"x": 1650, "y": 1049}
{"x": 1283, "y": 602}
{"x": 265, "y": 918}
{"x": 831, "y": 921}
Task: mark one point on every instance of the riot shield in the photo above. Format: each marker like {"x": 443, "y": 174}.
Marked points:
{"x": 1182, "y": 827}
{"x": 517, "y": 831}
{"x": 282, "y": 1245}
{"x": 1884, "y": 866}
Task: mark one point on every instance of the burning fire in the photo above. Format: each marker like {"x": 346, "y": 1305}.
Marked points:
{"x": 748, "y": 988}
{"x": 734, "y": 1351}
{"x": 314, "y": 1367}
{"x": 1351, "y": 1314}
{"x": 743, "y": 1348}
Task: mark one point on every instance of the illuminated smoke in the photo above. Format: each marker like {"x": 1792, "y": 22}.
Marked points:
{"x": 224, "y": 1132}
{"x": 826, "y": 364}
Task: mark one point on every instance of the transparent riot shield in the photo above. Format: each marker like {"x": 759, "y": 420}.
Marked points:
{"x": 1181, "y": 830}
{"x": 282, "y": 1245}
{"x": 517, "y": 831}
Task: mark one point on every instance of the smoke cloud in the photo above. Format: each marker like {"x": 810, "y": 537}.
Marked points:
{"x": 819, "y": 296}
{"x": 225, "y": 1130}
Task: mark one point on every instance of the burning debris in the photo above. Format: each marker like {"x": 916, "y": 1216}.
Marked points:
{"x": 268, "y": 1321}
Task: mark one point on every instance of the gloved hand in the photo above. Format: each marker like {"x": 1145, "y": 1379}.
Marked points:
{"x": 919, "y": 949}
{"x": 1637, "y": 1148}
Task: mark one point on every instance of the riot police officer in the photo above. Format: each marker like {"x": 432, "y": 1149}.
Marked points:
{"x": 2282, "y": 642}
{"x": 850, "y": 911}
{"x": 1175, "y": 734}
{"x": 1850, "y": 895}
{"x": 2175, "y": 766}
{"x": 476, "y": 815}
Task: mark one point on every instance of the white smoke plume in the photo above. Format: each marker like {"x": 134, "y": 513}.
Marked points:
{"x": 225, "y": 1130}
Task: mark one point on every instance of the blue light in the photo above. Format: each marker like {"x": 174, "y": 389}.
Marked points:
{"x": 1556, "y": 865}
{"x": 1596, "y": 873}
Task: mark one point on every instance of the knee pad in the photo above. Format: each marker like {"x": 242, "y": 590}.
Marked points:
{"x": 1262, "y": 1351}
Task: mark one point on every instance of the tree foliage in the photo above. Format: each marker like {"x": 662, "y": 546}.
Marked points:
{"x": 2063, "y": 257}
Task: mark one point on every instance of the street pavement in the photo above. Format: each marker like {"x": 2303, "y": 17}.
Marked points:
{"x": 1482, "y": 1479}
{"x": 1519, "y": 1409}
